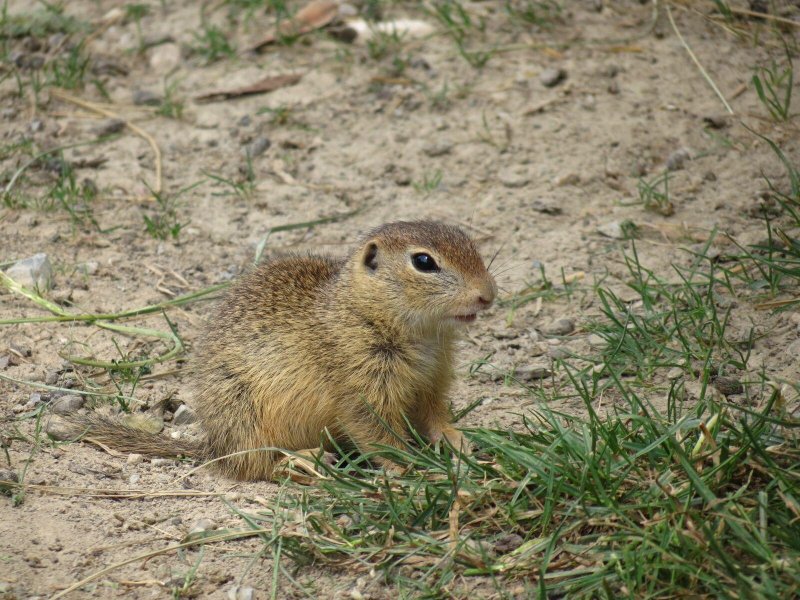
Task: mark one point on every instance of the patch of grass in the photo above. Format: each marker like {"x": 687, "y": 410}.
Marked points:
{"x": 38, "y": 23}
{"x": 532, "y": 12}
{"x": 773, "y": 85}
{"x": 654, "y": 194}
{"x": 542, "y": 288}
{"x": 171, "y": 106}
{"x": 460, "y": 25}
{"x": 212, "y": 44}
{"x": 68, "y": 70}
{"x": 163, "y": 221}
{"x": 673, "y": 324}
{"x": 701, "y": 504}
{"x": 429, "y": 183}
{"x": 775, "y": 264}
{"x": 135, "y": 12}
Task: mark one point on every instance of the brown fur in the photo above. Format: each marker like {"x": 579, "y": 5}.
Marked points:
{"x": 302, "y": 345}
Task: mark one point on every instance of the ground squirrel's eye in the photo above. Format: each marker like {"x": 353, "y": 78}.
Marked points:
{"x": 424, "y": 262}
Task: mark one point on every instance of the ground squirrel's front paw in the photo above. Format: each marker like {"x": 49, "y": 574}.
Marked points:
{"x": 457, "y": 440}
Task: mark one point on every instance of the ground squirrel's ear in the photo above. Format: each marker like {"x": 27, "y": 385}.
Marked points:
{"x": 370, "y": 257}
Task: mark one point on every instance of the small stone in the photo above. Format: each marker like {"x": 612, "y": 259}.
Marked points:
{"x": 34, "y": 272}
{"x": 558, "y": 352}
{"x": 675, "y": 373}
{"x": 532, "y": 373}
{"x": 135, "y": 459}
{"x": 437, "y": 148}
{"x": 613, "y": 230}
{"x": 36, "y": 126}
{"x": 552, "y": 77}
{"x": 184, "y": 416}
{"x": 709, "y": 176}
{"x": 257, "y": 147}
{"x": 87, "y": 268}
{"x": 559, "y": 327}
{"x": 202, "y": 526}
{"x": 728, "y": 386}
{"x": 146, "y": 98}
{"x": 677, "y": 159}
{"x": 110, "y": 127}
{"x": 10, "y": 476}
{"x": 165, "y": 57}
{"x": 34, "y": 400}
{"x": 134, "y": 478}
{"x": 244, "y": 121}
{"x": 718, "y": 121}
{"x": 68, "y": 404}
{"x": 58, "y": 430}
{"x": 596, "y": 341}
{"x": 567, "y": 179}
{"x": 507, "y": 543}
{"x": 241, "y": 592}
{"x": 162, "y": 462}
{"x": 512, "y": 178}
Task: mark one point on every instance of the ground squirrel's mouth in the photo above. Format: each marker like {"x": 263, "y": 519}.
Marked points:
{"x": 465, "y": 318}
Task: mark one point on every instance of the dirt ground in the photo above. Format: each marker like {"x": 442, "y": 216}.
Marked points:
{"x": 535, "y": 172}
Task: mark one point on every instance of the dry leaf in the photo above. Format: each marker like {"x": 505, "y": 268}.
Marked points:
{"x": 268, "y": 84}
{"x": 314, "y": 15}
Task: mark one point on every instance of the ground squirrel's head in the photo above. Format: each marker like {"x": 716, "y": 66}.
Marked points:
{"x": 426, "y": 273}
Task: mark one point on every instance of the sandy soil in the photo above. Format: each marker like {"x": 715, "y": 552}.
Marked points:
{"x": 531, "y": 171}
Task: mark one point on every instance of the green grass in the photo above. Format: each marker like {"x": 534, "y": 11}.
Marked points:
{"x": 702, "y": 502}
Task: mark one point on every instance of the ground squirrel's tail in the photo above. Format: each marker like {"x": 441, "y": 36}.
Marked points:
{"x": 121, "y": 437}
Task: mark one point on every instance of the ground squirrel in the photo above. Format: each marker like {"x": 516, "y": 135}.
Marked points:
{"x": 308, "y": 344}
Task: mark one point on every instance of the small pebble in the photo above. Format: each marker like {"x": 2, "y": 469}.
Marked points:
{"x": 134, "y": 478}
{"x": 552, "y": 77}
{"x": 7, "y": 475}
{"x": 241, "y": 592}
{"x": 58, "y": 430}
{"x": 68, "y": 404}
{"x": 718, "y": 121}
{"x": 559, "y": 327}
{"x": 532, "y": 373}
{"x": 161, "y": 462}
{"x": 507, "y": 543}
{"x": 613, "y": 230}
{"x": 146, "y": 98}
{"x": 512, "y": 178}
{"x": 202, "y": 526}
{"x": 109, "y": 127}
{"x": 675, "y": 373}
{"x": 135, "y": 459}
{"x": 34, "y": 272}
{"x": 437, "y": 148}
{"x": 184, "y": 416}
{"x": 596, "y": 341}
{"x": 677, "y": 160}
{"x": 257, "y": 147}
{"x": 558, "y": 352}
{"x": 728, "y": 386}
{"x": 87, "y": 268}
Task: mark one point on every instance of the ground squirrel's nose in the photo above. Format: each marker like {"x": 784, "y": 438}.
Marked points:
{"x": 486, "y": 296}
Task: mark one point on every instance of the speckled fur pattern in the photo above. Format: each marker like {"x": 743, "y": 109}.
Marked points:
{"x": 307, "y": 346}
